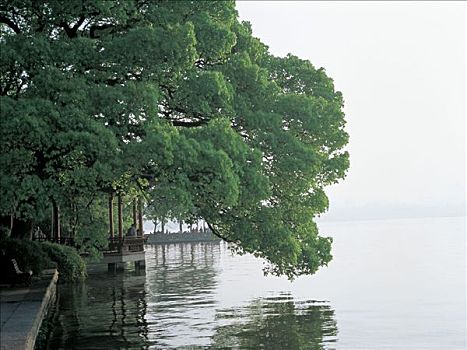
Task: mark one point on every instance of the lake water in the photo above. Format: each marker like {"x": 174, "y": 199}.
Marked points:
{"x": 392, "y": 285}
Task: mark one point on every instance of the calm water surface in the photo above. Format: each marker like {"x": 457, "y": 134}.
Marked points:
{"x": 392, "y": 285}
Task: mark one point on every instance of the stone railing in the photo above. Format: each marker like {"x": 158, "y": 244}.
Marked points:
{"x": 62, "y": 240}
{"x": 127, "y": 245}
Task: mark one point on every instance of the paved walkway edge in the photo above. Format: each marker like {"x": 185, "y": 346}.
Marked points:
{"x": 28, "y": 337}
{"x": 47, "y": 301}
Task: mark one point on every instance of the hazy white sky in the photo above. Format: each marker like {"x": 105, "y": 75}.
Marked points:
{"x": 402, "y": 69}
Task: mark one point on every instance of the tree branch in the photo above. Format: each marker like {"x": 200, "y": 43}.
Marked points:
{"x": 216, "y": 233}
{"x": 78, "y": 24}
{"x": 94, "y": 28}
{"x": 10, "y": 24}
{"x": 189, "y": 124}
{"x": 72, "y": 32}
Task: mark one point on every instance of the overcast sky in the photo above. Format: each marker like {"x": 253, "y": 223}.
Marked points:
{"x": 401, "y": 67}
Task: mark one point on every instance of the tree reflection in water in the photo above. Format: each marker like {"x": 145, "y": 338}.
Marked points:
{"x": 183, "y": 308}
{"x": 181, "y": 286}
{"x": 105, "y": 312}
{"x": 176, "y": 304}
{"x": 277, "y": 323}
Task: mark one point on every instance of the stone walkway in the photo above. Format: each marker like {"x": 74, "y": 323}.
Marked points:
{"x": 22, "y": 311}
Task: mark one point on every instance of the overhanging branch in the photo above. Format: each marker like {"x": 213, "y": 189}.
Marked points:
{"x": 10, "y": 23}
{"x": 73, "y": 31}
{"x": 216, "y": 233}
{"x": 189, "y": 124}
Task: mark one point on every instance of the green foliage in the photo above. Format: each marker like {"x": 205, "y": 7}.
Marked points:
{"x": 175, "y": 100}
{"x": 70, "y": 265}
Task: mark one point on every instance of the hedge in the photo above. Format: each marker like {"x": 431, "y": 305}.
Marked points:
{"x": 70, "y": 265}
{"x": 37, "y": 256}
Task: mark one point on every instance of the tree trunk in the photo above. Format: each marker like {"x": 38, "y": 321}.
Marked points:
{"x": 111, "y": 216}
{"x": 22, "y": 229}
{"x": 56, "y": 222}
{"x": 6, "y": 224}
{"x": 120, "y": 216}
{"x": 135, "y": 215}
{"x": 155, "y": 226}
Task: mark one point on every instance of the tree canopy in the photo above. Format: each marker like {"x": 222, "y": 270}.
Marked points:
{"x": 176, "y": 100}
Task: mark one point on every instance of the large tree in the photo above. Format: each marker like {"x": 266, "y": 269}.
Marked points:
{"x": 176, "y": 100}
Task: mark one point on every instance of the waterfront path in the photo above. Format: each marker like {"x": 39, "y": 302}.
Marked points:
{"x": 22, "y": 311}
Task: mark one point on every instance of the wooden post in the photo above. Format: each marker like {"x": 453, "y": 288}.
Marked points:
{"x": 120, "y": 217}
{"x": 140, "y": 216}
{"x": 134, "y": 213}
{"x": 111, "y": 215}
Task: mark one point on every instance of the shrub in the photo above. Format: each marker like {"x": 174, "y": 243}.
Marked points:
{"x": 70, "y": 265}
{"x": 37, "y": 256}
{"x": 28, "y": 254}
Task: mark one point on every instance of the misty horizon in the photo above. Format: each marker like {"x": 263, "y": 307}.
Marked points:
{"x": 404, "y": 92}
